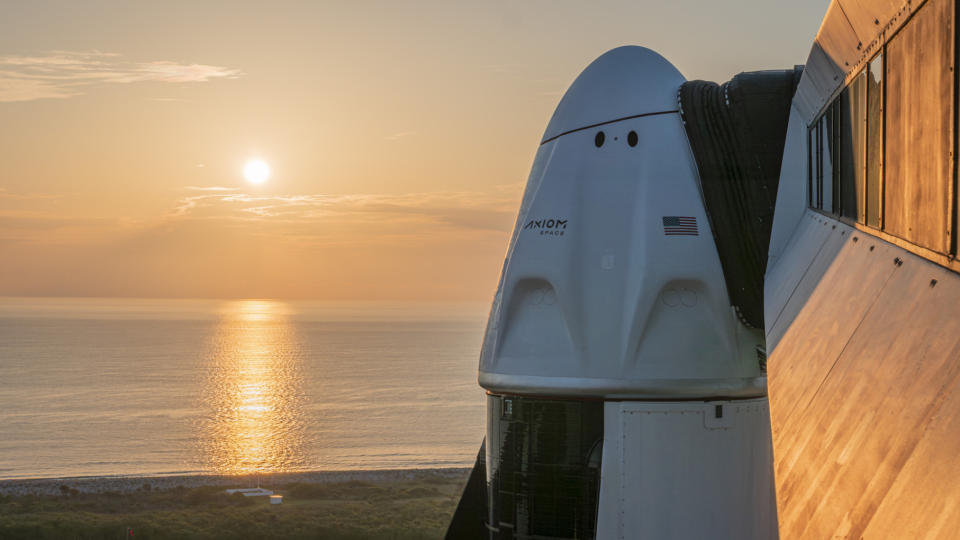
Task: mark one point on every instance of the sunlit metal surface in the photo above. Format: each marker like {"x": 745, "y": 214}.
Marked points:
{"x": 253, "y": 392}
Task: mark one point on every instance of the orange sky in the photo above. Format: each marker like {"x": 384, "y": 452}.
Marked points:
{"x": 399, "y": 134}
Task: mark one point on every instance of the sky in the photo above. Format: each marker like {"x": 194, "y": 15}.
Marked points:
{"x": 399, "y": 135}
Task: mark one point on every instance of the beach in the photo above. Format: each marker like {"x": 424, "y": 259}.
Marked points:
{"x": 132, "y": 484}
{"x": 409, "y": 503}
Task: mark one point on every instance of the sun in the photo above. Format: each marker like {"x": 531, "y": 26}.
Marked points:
{"x": 256, "y": 171}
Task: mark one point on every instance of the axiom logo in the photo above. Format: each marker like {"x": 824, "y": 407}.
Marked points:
{"x": 551, "y": 227}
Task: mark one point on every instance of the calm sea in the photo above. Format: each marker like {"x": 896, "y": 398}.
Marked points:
{"x": 124, "y": 387}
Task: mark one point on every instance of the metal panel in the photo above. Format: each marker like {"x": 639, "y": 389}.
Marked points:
{"x": 677, "y": 470}
{"x": 804, "y": 101}
{"x": 849, "y": 413}
{"x": 812, "y": 258}
{"x": 783, "y": 278}
{"x": 837, "y": 302}
{"x": 919, "y": 128}
{"x": 927, "y": 484}
{"x": 839, "y": 40}
{"x": 821, "y": 76}
{"x": 852, "y": 31}
{"x": 868, "y": 17}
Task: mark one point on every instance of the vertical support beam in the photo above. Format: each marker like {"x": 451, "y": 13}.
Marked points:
{"x": 956, "y": 125}
{"x": 881, "y": 187}
{"x": 862, "y": 199}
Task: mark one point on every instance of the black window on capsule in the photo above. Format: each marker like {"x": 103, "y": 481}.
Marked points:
{"x": 599, "y": 138}
{"x": 632, "y": 138}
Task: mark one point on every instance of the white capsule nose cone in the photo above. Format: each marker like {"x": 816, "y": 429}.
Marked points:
{"x": 624, "y": 82}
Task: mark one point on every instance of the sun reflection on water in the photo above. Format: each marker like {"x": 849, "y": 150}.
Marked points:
{"x": 254, "y": 392}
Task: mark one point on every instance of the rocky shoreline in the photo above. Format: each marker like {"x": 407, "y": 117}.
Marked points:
{"x": 131, "y": 484}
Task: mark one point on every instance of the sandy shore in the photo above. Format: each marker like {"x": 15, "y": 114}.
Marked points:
{"x": 129, "y": 484}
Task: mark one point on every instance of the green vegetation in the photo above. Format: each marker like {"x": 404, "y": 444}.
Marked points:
{"x": 350, "y": 510}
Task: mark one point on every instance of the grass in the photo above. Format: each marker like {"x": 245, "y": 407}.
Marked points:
{"x": 398, "y": 510}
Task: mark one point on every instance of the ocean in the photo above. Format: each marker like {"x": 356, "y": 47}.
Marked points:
{"x": 107, "y": 387}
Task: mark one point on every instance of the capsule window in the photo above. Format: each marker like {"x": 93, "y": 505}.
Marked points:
{"x": 632, "y": 138}
{"x": 598, "y": 140}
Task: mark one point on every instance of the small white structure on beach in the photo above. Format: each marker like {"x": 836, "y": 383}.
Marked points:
{"x": 276, "y": 499}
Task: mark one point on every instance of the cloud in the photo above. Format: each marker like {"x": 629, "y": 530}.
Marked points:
{"x": 392, "y": 214}
{"x": 209, "y": 188}
{"x": 223, "y": 242}
{"x": 313, "y": 220}
{"x": 64, "y": 74}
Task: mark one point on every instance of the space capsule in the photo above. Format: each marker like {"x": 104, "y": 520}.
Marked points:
{"x": 623, "y": 358}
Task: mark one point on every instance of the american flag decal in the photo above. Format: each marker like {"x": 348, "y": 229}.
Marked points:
{"x": 680, "y": 226}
